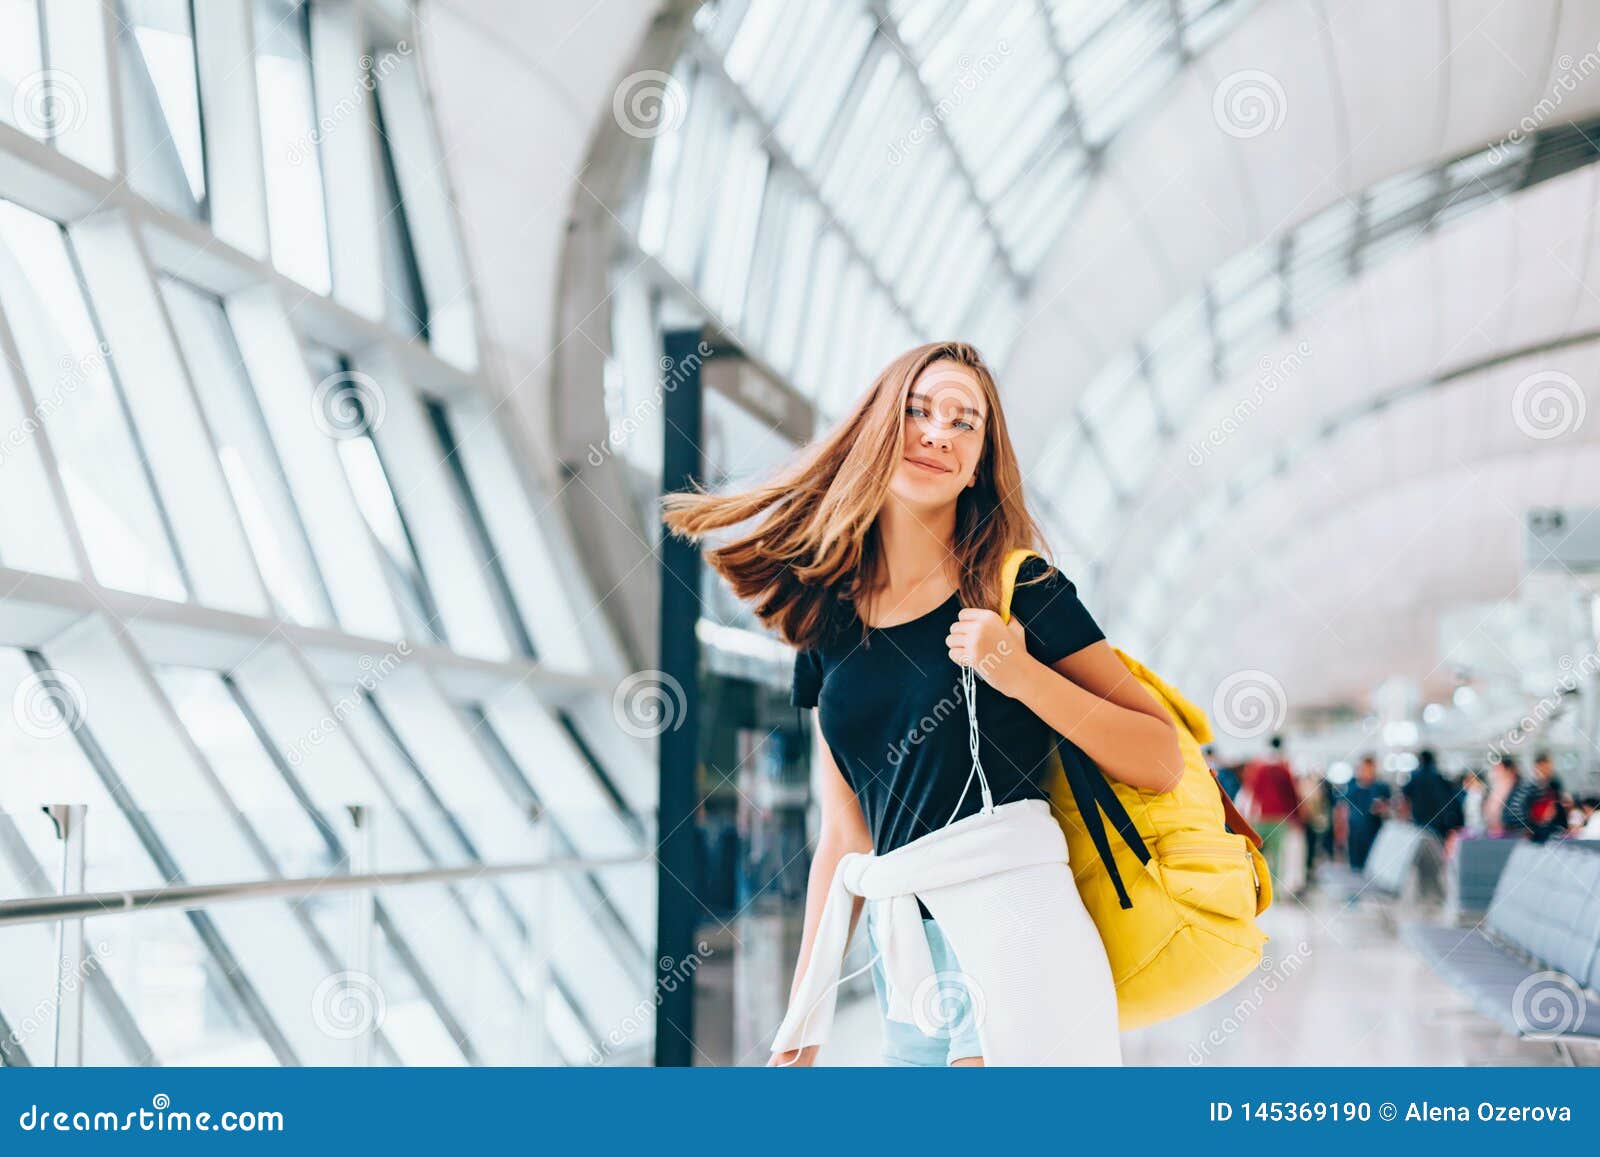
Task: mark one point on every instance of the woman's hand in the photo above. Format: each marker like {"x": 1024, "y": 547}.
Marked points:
{"x": 997, "y": 650}
{"x": 795, "y": 1058}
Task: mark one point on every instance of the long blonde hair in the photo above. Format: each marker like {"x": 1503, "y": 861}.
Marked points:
{"x": 817, "y": 548}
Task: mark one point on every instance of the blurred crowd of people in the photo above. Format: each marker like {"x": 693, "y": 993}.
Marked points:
{"x": 1308, "y": 819}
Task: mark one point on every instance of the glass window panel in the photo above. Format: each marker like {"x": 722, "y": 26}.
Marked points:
{"x": 655, "y": 211}
{"x": 249, "y": 461}
{"x": 1206, "y": 20}
{"x": 176, "y": 992}
{"x": 1014, "y": 158}
{"x": 1039, "y": 220}
{"x": 33, "y": 526}
{"x": 488, "y": 557}
{"x": 212, "y": 716}
{"x": 794, "y": 281}
{"x": 855, "y": 142}
{"x": 21, "y": 61}
{"x": 727, "y": 268}
{"x": 705, "y": 133}
{"x": 379, "y": 505}
{"x": 1247, "y": 312}
{"x": 931, "y": 194}
{"x": 296, "y": 216}
{"x": 44, "y": 766}
{"x": 830, "y": 263}
{"x": 161, "y": 104}
{"x": 405, "y": 297}
{"x": 28, "y": 976}
{"x": 790, "y": 57}
{"x": 754, "y": 33}
{"x": 804, "y": 124}
{"x": 777, "y": 209}
{"x": 68, "y": 366}
{"x": 1131, "y": 60}
{"x": 1078, "y": 21}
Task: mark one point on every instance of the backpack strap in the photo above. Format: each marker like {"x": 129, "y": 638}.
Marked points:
{"x": 1188, "y": 716}
{"x": 1091, "y": 791}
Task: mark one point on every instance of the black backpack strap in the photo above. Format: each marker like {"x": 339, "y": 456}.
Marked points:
{"x": 1093, "y": 794}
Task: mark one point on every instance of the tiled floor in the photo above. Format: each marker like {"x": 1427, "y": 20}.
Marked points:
{"x": 1338, "y": 987}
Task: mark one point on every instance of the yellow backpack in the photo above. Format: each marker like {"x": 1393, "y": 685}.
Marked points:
{"x": 1176, "y": 897}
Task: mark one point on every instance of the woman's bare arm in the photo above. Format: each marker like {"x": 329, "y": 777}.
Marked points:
{"x": 844, "y": 829}
{"x": 1091, "y": 698}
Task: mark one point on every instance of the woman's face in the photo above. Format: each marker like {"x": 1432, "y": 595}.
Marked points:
{"x": 944, "y": 436}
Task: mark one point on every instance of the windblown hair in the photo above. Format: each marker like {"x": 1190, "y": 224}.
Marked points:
{"x": 814, "y": 555}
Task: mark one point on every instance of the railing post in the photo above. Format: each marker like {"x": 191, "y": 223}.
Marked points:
{"x": 69, "y": 819}
{"x": 363, "y": 921}
{"x": 540, "y": 939}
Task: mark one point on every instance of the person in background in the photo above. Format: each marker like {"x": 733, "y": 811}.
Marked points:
{"x": 1433, "y": 801}
{"x": 1227, "y": 773}
{"x": 1543, "y": 813}
{"x": 1366, "y": 804}
{"x": 1591, "y": 823}
{"x": 1330, "y": 812}
{"x": 1274, "y": 805}
{"x": 1499, "y": 814}
{"x": 1473, "y": 794}
{"x": 1315, "y": 818}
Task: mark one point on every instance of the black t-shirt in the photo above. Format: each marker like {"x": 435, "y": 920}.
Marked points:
{"x": 895, "y": 717}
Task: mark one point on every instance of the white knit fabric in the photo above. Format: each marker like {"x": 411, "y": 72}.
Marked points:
{"x": 998, "y": 884}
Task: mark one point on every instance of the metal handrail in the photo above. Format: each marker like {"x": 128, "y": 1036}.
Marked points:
{"x": 49, "y": 909}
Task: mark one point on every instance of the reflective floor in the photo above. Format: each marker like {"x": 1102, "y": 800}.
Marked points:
{"x": 1338, "y": 987}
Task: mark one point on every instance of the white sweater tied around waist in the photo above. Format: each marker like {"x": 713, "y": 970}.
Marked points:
{"x": 962, "y": 855}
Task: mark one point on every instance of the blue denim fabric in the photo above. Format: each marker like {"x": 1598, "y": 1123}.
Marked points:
{"x": 946, "y": 1010}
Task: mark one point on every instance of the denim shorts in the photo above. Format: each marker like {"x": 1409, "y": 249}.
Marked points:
{"x": 947, "y": 1016}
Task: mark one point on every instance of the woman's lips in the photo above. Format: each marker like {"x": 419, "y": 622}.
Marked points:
{"x": 927, "y": 467}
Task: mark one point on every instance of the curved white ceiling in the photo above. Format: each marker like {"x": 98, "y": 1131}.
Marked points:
{"x": 1515, "y": 276}
{"x": 1368, "y": 91}
{"x": 1354, "y": 593}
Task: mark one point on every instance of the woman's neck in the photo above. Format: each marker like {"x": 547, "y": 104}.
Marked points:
{"x": 915, "y": 545}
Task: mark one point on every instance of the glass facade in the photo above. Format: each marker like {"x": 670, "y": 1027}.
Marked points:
{"x": 274, "y": 608}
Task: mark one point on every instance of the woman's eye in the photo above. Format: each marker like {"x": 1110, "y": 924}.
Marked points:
{"x": 965, "y": 425}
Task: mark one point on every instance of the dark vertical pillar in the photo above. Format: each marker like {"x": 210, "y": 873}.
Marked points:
{"x": 677, "y": 908}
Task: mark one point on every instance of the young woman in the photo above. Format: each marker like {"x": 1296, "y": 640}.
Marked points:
{"x": 878, "y": 554}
